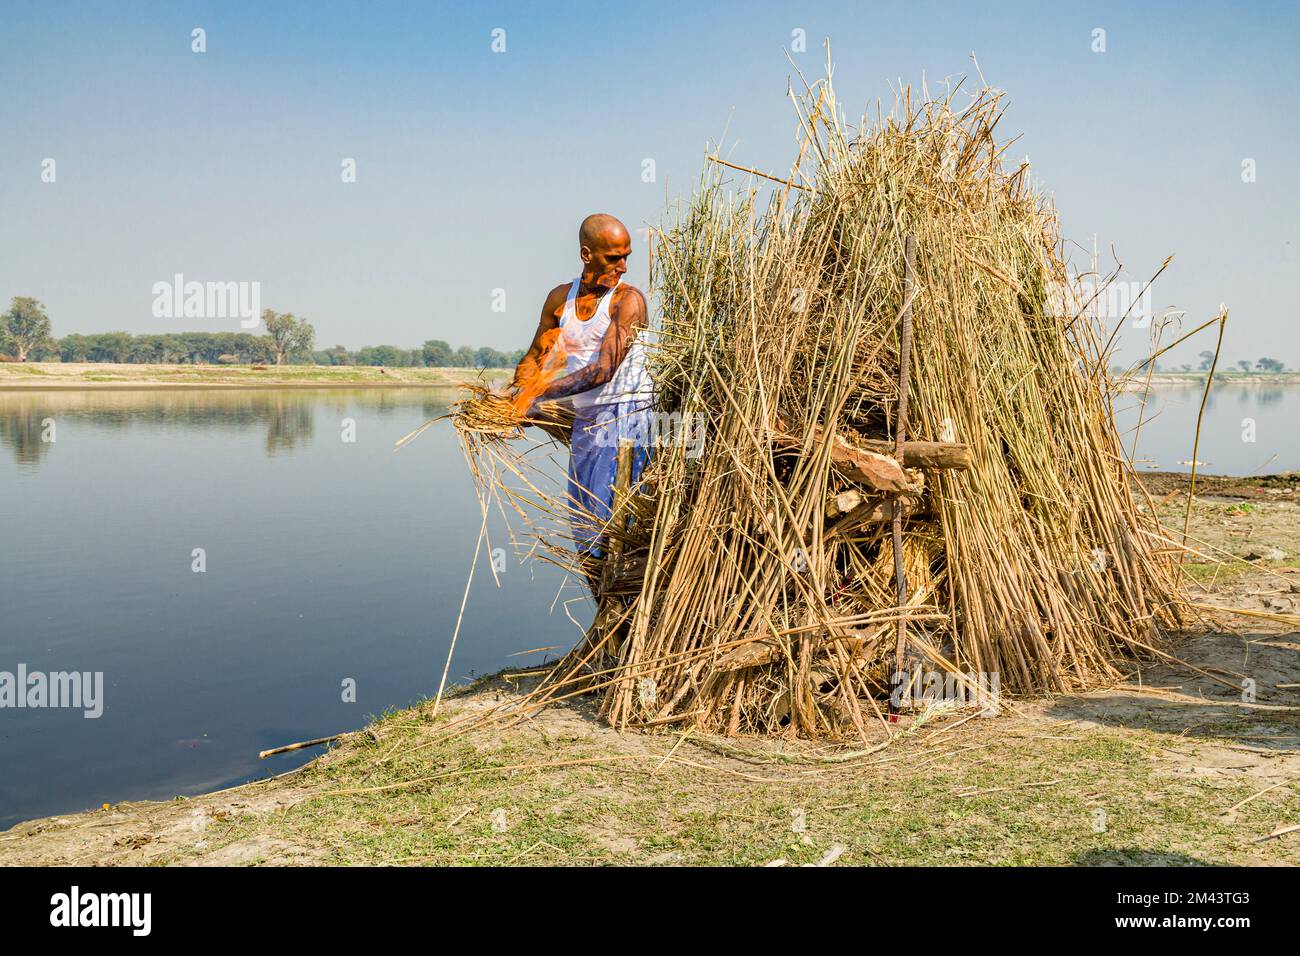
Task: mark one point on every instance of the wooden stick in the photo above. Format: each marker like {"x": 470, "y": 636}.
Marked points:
{"x": 618, "y": 516}
{"x": 900, "y": 436}
{"x": 300, "y": 745}
{"x": 1284, "y": 783}
{"x": 746, "y": 169}
{"x": 1017, "y": 786}
{"x": 1280, "y": 831}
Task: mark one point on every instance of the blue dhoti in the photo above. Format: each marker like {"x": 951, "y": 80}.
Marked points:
{"x": 593, "y": 464}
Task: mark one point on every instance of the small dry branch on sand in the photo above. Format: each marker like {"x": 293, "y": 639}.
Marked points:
{"x": 751, "y": 586}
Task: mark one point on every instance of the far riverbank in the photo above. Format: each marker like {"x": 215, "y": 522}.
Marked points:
{"x": 1222, "y": 377}
{"x": 109, "y": 375}
{"x": 96, "y": 375}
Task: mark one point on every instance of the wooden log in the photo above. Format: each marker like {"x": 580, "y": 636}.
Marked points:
{"x": 853, "y": 499}
{"x": 844, "y": 502}
{"x": 930, "y": 455}
{"x": 852, "y": 509}
{"x": 872, "y": 469}
{"x": 846, "y": 444}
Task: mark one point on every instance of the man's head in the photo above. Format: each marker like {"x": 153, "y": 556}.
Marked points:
{"x": 604, "y": 244}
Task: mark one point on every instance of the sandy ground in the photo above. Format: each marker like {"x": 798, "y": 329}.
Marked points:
{"x": 1176, "y": 766}
{"x": 107, "y": 375}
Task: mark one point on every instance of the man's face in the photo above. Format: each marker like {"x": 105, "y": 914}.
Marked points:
{"x": 605, "y": 260}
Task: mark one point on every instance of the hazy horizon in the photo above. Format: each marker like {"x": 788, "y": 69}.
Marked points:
{"x": 474, "y": 167}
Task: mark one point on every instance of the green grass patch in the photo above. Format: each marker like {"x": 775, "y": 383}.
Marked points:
{"x": 1100, "y": 800}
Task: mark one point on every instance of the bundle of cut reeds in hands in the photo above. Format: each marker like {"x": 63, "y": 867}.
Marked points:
{"x": 486, "y": 414}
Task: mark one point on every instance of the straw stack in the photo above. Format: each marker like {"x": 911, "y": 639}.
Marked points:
{"x": 756, "y": 588}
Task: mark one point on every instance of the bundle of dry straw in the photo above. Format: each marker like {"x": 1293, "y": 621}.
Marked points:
{"x": 754, "y": 588}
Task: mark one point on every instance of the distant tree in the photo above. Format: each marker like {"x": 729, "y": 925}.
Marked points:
{"x": 1207, "y": 359}
{"x": 74, "y": 348}
{"x": 223, "y": 343}
{"x": 463, "y": 357}
{"x": 289, "y": 335}
{"x": 436, "y": 353}
{"x": 147, "y": 348}
{"x": 195, "y": 348}
{"x": 110, "y": 347}
{"x": 490, "y": 358}
{"x": 384, "y": 355}
{"x": 24, "y": 327}
{"x": 390, "y": 356}
{"x": 340, "y": 356}
{"x": 1270, "y": 365}
{"x": 251, "y": 348}
{"x": 1244, "y": 364}
{"x": 173, "y": 349}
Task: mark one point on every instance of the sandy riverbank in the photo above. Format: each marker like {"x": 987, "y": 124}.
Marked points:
{"x": 1222, "y": 379}
{"x": 105, "y": 375}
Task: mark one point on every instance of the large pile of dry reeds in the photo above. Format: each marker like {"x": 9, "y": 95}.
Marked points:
{"x": 756, "y": 587}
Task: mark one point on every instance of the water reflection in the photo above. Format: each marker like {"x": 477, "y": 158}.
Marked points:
{"x": 289, "y": 423}
{"x": 1247, "y": 429}
{"x": 21, "y": 431}
{"x": 288, "y": 415}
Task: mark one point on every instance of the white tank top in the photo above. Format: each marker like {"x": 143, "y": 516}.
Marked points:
{"x": 581, "y": 342}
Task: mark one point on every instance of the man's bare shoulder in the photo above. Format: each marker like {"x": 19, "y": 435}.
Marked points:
{"x": 554, "y": 305}
{"x": 628, "y": 296}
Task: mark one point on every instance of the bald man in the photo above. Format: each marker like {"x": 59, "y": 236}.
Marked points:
{"x": 600, "y": 319}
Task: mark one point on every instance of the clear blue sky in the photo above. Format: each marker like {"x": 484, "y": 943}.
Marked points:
{"x": 474, "y": 168}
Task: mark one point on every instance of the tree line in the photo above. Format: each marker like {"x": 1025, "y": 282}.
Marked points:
{"x": 26, "y": 336}
{"x": 1264, "y": 364}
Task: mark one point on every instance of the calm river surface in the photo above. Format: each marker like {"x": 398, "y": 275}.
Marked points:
{"x": 326, "y": 561}
{"x": 1247, "y": 429}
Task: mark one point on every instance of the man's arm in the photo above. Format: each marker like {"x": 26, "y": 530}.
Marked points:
{"x": 627, "y": 315}
{"x": 529, "y": 366}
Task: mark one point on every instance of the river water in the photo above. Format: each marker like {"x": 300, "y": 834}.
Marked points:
{"x": 325, "y": 561}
